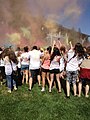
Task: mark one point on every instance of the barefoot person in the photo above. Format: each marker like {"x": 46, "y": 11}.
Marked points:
{"x": 85, "y": 74}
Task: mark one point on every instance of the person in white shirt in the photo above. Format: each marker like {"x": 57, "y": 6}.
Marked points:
{"x": 34, "y": 65}
{"x": 54, "y": 68}
{"x": 75, "y": 57}
{"x": 10, "y": 63}
{"x": 25, "y": 64}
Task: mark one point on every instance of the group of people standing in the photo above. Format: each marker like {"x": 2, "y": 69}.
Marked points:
{"x": 52, "y": 64}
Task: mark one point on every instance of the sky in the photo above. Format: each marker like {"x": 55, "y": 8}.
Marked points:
{"x": 83, "y": 21}
{"x": 69, "y": 13}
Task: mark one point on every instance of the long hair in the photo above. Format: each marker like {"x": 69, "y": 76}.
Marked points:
{"x": 25, "y": 49}
{"x": 88, "y": 50}
{"x": 49, "y": 49}
{"x": 56, "y": 52}
{"x": 11, "y": 54}
{"x": 79, "y": 50}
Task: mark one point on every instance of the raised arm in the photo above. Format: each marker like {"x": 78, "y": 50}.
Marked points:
{"x": 71, "y": 46}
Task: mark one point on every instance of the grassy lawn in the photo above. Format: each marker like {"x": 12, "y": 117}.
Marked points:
{"x": 34, "y": 105}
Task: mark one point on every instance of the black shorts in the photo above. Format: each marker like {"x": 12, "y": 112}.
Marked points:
{"x": 35, "y": 72}
{"x": 45, "y": 70}
{"x": 54, "y": 71}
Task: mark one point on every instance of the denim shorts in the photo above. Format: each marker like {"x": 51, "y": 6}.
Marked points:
{"x": 72, "y": 76}
{"x": 24, "y": 67}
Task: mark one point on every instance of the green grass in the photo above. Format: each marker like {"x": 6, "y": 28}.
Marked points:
{"x": 35, "y": 105}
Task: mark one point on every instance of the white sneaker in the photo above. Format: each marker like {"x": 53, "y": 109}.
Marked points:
{"x": 43, "y": 89}
{"x": 9, "y": 91}
{"x": 86, "y": 96}
{"x": 1, "y": 83}
{"x": 15, "y": 88}
{"x": 50, "y": 90}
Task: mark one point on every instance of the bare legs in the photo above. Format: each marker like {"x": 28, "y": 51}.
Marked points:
{"x": 68, "y": 88}
{"x": 25, "y": 76}
{"x": 87, "y": 90}
{"x": 74, "y": 89}
{"x": 45, "y": 75}
{"x": 43, "y": 81}
{"x": 79, "y": 89}
{"x": 32, "y": 75}
{"x": 30, "y": 83}
{"x": 58, "y": 81}
{"x": 39, "y": 80}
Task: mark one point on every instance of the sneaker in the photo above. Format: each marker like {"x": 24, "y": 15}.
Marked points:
{"x": 15, "y": 88}
{"x": 39, "y": 85}
{"x": 43, "y": 89}
{"x": 29, "y": 89}
{"x": 78, "y": 95}
{"x": 59, "y": 91}
{"x": 1, "y": 83}
{"x": 86, "y": 96}
{"x": 68, "y": 97}
{"x": 50, "y": 90}
{"x": 9, "y": 91}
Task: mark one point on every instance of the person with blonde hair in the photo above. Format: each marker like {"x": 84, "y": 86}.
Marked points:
{"x": 45, "y": 67}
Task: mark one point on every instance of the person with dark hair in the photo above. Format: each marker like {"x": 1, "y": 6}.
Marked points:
{"x": 63, "y": 61}
{"x": 85, "y": 74}
{"x": 2, "y": 68}
{"x": 10, "y": 62}
{"x": 18, "y": 50}
{"x": 1, "y": 50}
{"x": 75, "y": 57}
{"x": 54, "y": 68}
{"x": 34, "y": 66}
{"x": 45, "y": 67}
{"x": 25, "y": 64}
{"x": 34, "y": 47}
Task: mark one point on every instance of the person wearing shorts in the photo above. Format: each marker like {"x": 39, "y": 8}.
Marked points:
{"x": 34, "y": 66}
{"x": 54, "y": 68}
{"x": 45, "y": 68}
{"x": 85, "y": 74}
{"x": 25, "y": 64}
{"x": 75, "y": 57}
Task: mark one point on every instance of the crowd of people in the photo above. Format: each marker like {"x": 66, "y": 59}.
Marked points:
{"x": 49, "y": 66}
